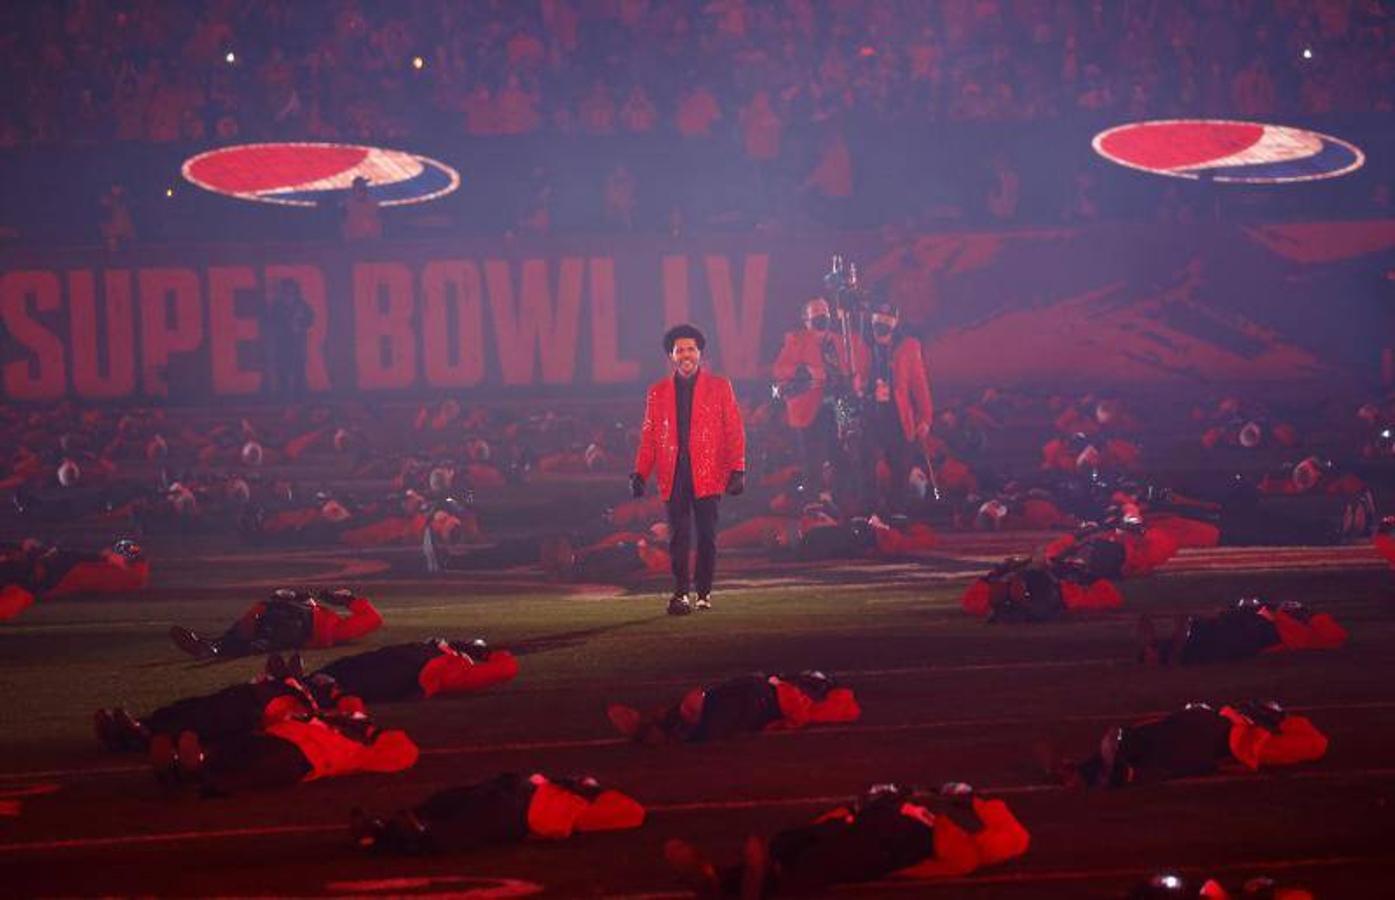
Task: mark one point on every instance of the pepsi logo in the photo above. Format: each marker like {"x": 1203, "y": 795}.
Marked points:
{"x": 295, "y": 174}
{"x": 1222, "y": 150}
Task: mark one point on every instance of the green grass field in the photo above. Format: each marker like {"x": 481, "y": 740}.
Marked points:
{"x": 944, "y": 698}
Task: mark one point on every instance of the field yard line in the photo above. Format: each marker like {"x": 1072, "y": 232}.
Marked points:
{"x": 699, "y": 806}
{"x": 1088, "y": 717}
{"x": 1018, "y": 790}
{"x": 849, "y": 674}
{"x": 577, "y": 744}
{"x": 885, "y": 729}
{"x": 126, "y": 840}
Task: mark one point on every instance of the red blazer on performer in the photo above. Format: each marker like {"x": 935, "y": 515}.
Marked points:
{"x": 910, "y": 386}
{"x": 716, "y": 435}
{"x": 805, "y": 348}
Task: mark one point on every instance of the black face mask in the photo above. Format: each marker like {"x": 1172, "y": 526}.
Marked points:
{"x": 882, "y": 330}
{"x": 819, "y": 323}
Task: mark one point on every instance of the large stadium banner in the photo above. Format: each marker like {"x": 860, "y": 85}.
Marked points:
{"x": 1119, "y": 305}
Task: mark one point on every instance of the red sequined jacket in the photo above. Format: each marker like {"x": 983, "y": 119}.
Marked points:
{"x": 716, "y": 436}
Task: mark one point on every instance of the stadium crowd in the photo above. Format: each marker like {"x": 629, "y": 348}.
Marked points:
{"x": 161, "y": 71}
{"x": 791, "y": 105}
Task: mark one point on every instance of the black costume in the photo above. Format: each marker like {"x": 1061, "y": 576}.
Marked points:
{"x": 1197, "y": 740}
{"x": 505, "y": 809}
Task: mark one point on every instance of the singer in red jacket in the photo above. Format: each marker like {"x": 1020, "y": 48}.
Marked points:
{"x": 694, "y": 438}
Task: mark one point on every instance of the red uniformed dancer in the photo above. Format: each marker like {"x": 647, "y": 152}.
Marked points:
{"x": 890, "y": 831}
{"x": 1030, "y": 510}
{"x": 613, "y": 558}
{"x": 506, "y": 809}
{"x": 1251, "y": 627}
{"x": 1311, "y": 475}
{"x": 693, "y": 436}
{"x": 421, "y": 669}
{"x": 1198, "y": 740}
{"x": 1123, "y": 547}
{"x": 1023, "y": 590}
{"x": 288, "y": 620}
{"x": 745, "y": 704}
{"x": 32, "y": 570}
{"x": 121, "y": 568}
{"x": 286, "y": 752}
{"x": 238, "y": 709}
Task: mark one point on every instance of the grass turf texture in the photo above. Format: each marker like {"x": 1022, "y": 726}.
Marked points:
{"x": 944, "y": 696}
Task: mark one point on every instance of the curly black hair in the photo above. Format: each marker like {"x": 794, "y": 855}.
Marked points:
{"x": 683, "y": 331}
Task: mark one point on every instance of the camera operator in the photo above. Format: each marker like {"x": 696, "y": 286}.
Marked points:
{"x": 813, "y": 371}
{"x": 898, "y": 404}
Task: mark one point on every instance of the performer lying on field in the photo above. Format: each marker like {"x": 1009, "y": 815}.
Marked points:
{"x": 1251, "y": 627}
{"x": 505, "y": 809}
{"x": 1198, "y": 740}
{"x": 295, "y": 749}
{"x": 747, "y": 703}
{"x": 420, "y": 669}
{"x": 238, "y": 709}
{"x": 890, "y": 830}
{"x": 288, "y": 620}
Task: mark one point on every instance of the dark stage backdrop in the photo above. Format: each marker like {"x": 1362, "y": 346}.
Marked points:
{"x": 1128, "y": 305}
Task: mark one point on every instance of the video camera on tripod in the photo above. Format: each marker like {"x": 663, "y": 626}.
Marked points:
{"x": 852, "y": 313}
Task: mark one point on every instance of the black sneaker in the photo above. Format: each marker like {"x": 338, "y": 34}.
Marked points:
{"x": 191, "y": 643}
{"x": 704, "y": 601}
{"x": 678, "y": 605}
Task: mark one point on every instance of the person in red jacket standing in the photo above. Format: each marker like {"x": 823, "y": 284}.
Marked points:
{"x": 693, "y": 436}
{"x": 813, "y": 370}
{"x": 898, "y": 400}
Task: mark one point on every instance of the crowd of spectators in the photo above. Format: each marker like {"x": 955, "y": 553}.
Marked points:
{"x": 163, "y": 70}
{"x": 781, "y": 86}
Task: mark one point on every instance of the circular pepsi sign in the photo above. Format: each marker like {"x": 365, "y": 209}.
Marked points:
{"x": 1223, "y": 150}
{"x": 304, "y": 174}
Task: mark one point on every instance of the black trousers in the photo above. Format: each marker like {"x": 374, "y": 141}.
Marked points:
{"x": 818, "y": 444}
{"x": 884, "y": 436}
{"x": 1234, "y": 634}
{"x": 683, "y": 510}
{"x": 811, "y": 858}
{"x": 1186, "y": 743}
{"x": 491, "y": 812}
{"x": 233, "y": 710}
{"x": 252, "y": 762}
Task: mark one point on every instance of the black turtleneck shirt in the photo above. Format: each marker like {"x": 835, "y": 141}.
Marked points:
{"x": 683, "y": 396}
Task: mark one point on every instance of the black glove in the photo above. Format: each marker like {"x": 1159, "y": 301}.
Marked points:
{"x": 636, "y": 485}
{"x": 736, "y": 482}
